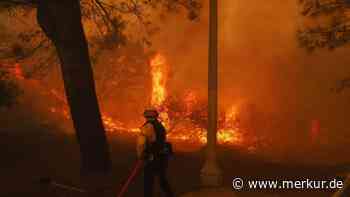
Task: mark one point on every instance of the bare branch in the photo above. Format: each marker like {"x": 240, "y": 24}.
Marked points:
{"x": 16, "y": 3}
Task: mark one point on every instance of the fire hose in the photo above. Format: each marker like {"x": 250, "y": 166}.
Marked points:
{"x": 49, "y": 181}
{"x": 132, "y": 175}
{"x": 134, "y": 172}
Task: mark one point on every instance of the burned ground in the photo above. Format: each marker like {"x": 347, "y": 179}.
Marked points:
{"x": 31, "y": 152}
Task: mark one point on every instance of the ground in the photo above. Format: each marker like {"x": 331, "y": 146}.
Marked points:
{"x": 28, "y": 154}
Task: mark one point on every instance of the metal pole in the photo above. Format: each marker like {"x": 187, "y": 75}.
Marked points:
{"x": 211, "y": 174}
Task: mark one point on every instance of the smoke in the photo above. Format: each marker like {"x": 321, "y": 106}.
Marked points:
{"x": 257, "y": 46}
{"x": 261, "y": 63}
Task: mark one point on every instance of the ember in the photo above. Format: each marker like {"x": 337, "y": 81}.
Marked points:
{"x": 17, "y": 70}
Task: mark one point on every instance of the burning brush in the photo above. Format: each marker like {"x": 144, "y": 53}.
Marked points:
{"x": 185, "y": 116}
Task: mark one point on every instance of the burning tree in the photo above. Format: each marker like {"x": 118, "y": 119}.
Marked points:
{"x": 185, "y": 115}
{"x": 61, "y": 22}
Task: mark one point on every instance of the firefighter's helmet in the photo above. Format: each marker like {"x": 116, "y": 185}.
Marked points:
{"x": 150, "y": 113}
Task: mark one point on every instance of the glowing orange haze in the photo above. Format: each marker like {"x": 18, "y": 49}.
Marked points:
{"x": 228, "y": 134}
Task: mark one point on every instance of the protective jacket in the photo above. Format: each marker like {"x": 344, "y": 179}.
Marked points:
{"x": 152, "y": 141}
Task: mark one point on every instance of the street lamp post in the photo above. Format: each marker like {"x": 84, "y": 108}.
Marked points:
{"x": 211, "y": 175}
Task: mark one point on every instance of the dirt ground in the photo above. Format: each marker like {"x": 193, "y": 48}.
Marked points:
{"x": 29, "y": 154}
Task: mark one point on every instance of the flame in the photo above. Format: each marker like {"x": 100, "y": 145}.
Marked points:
{"x": 159, "y": 71}
{"x": 17, "y": 71}
{"x": 14, "y": 70}
{"x": 159, "y": 79}
{"x": 231, "y": 117}
{"x": 229, "y": 132}
{"x": 190, "y": 100}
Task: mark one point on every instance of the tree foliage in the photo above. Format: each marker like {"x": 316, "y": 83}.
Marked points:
{"x": 108, "y": 20}
{"x": 107, "y": 25}
{"x": 328, "y": 24}
{"x": 328, "y": 27}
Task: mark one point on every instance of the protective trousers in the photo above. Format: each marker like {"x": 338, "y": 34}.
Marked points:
{"x": 156, "y": 168}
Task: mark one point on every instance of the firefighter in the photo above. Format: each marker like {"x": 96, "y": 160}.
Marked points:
{"x": 155, "y": 151}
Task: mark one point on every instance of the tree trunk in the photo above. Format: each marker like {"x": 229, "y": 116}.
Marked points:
{"x": 61, "y": 22}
